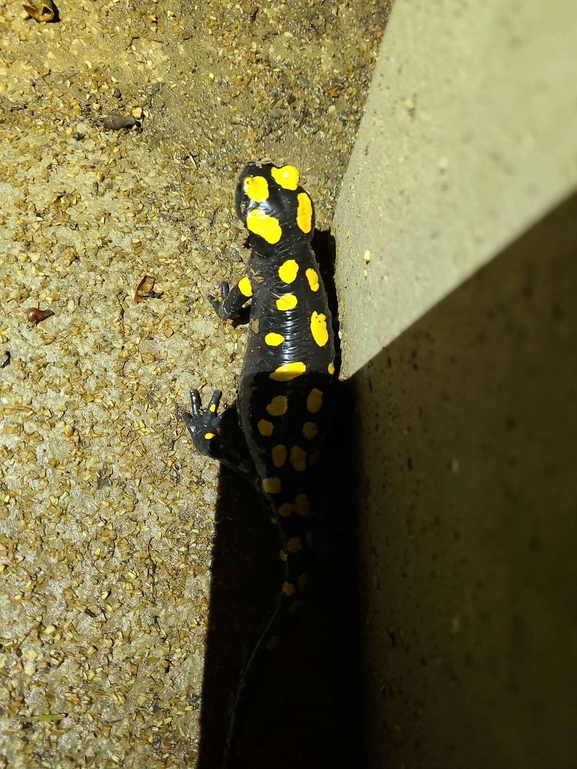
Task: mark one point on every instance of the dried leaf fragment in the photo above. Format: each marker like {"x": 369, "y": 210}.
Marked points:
{"x": 35, "y": 315}
{"x": 115, "y": 121}
{"x": 145, "y": 289}
{"x": 42, "y": 11}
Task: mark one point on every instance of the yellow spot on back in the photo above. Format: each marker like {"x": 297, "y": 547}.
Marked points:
{"x": 304, "y": 212}
{"x": 288, "y": 371}
{"x": 288, "y": 271}
{"x": 313, "y": 279}
{"x": 294, "y": 545}
{"x": 262, "y": 224}
{"x": 256, "y": 187}
{"x": 331, "y": 368}
{"x": 286, "y": 302}
{"x": 319, "y": 328}
{"x": 302, "y": 505}
{"x": 302, "y": 582}
{"x": 298, "y": 458}
{"x": 212, "y": 407}
{"x": 286, "y": 177}
{"x": 272, "y": 643}
{"x": 264, "y": 427}
{"x": 208, "y": 436}
{"x": 310, "y": 430}
{"x": 279, "y": 455}
{"x": 271, "y": 485}
{"x": 278, "y": 406}
{"x": 283, "y": 556}
{"x": 273, "y": 340}
{"x": 288, "y": 589}
{"x": 285, "y": 510}
{"x": 245, "y": 287}
{"x": 314, "y": 400}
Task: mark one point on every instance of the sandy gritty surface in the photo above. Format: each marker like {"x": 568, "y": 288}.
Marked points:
{"x": 106, "y": 513}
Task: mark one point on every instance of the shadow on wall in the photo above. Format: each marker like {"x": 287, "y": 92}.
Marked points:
{"x": 468, "y": 519}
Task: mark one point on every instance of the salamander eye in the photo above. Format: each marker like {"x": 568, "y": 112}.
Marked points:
{"x": 252, "y": 189}
{"x": 242, "y": 202}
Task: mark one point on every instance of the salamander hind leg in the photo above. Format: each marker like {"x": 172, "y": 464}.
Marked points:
{"x": 218, "y": 435}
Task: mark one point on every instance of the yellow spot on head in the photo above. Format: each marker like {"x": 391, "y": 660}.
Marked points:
{"x": 273, "y": 340}
{"x": 286, "y": 177}
{"x": 288, "y": 271}
{"x": 304, "y": 212}
{"x": 331, "y": 368}
{"x": 279, "y": 455}
{"x": 302, "y": 582}
{"x": 286, "y": 302}
{"x": 272, "y": 643}
{"x": 285, "y": 510}
{"x": 245, "y": 287}
{"x": 298, "y": 458}
{"x": 319, "y": 328}
{"x": 271, "y": 485}
{"x": 302, "y": 505}
{"x": 314, "y": 400}
{"x": 288, "y": 589}
{"x": 313, "y": 279}
{"x": 264, "y": 225}
{"x": 208, "y": 436}
{"x": 294, "y": 545}
{"x": 256, "y": 187}
{"x": 278, "y": 406}
{"x": 310, "y": 430}
{"x": 265, "y": 427}
{"x": 288, "y": 371}
{"x": 283, "y": 556}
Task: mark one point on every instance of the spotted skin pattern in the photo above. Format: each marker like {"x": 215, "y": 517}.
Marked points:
{"x": 285, "y": 384}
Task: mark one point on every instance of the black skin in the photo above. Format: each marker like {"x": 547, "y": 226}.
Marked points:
{"x": 249, "y": 436}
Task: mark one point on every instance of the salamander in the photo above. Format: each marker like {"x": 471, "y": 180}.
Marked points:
{"x": 286, "y": 381}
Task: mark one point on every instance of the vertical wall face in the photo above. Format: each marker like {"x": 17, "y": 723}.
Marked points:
{"x": 459, "y": 334}
{"x": 468, "y": 520}
{"x": 468, "y": 138}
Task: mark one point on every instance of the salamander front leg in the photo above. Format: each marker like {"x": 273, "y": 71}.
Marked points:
{"x": 232, "y": 300}
{"x": 218, "y": 436}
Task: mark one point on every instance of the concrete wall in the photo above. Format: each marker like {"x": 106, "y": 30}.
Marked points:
{"x": 469, "y": 136}
{"x": 457, "y": 271}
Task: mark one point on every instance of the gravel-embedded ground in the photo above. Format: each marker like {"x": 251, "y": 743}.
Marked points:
{"x": 106, "y": 514}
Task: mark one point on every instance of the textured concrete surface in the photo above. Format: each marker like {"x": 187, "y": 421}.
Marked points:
{"x": 468, "y": 137}
{"x": 457, "y": 273}
{"x": 111, "y": 561}
{"x": 468, "y": 494}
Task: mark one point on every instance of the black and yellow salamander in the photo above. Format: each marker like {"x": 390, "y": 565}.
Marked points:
{"x": 286, "y": 380}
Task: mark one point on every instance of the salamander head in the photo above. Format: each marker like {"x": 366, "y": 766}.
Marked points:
{"x": 273, "y": 207}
